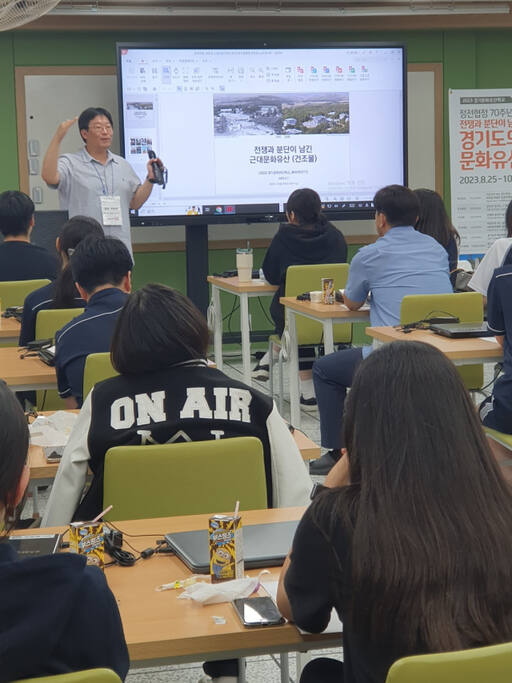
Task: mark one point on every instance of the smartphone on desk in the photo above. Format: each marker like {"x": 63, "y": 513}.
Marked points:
{"x": 258, "y": 612}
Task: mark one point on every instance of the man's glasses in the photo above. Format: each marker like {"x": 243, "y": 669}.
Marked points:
{"x": 97, "y": 128}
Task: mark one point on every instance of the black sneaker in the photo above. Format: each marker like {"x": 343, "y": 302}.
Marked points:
{"x": 260, "y": 372}
{"x": 308, "y": 403}
{"x": 324, "y": 463}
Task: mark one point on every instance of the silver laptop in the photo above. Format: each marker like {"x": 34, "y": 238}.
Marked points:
{"x": 265, "y": 545}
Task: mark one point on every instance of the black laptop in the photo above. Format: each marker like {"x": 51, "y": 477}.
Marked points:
{"x": 34, "y": 546}
{"x": 462, "y": 330}
{"x": 265, "y": 545}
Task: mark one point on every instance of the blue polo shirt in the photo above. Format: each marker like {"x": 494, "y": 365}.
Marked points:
{"x": 499, "y": 320}
{"x": 90, "y": 332}
{"x": 403, "y": 261}
{"x": 39, "y": 300}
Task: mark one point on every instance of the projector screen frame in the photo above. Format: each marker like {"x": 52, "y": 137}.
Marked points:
{"x": 250, "y": 218}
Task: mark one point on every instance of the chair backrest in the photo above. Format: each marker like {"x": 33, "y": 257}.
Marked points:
{"x": 467, "y": 306}
{"x": 49, "y": 321}
{"x": 13, "y": 293}
{"x": 89, "y": 676}
{"x": 308, "y": 278}
{"x": 491, "y": 664}
{"x": 98, "y": 367}
{"x": 185, "y": 478}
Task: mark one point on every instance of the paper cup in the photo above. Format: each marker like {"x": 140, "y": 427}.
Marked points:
{"x": 316, "y": 297}
{"x": 244, "y": 264}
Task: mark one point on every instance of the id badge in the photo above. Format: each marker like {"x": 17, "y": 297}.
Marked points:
{"x": 111, "y": 210}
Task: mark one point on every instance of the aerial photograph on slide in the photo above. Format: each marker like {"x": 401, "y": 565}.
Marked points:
{"x": 281, "y": 114}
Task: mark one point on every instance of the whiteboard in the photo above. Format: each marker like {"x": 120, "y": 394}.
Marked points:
{"x": 51, "y": 98}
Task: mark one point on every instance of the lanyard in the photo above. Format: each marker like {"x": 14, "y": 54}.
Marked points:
{"x": 104, "y": 185}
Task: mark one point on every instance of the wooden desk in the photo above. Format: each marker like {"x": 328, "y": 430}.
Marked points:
{"x": 328, "y": 315}
{"x": 160, "y": 629}
{"x": 460, "y": 351}
{"x": 9, "y": 330}
{"x": 25, "y": 374}
{"x": 245, "y": 291}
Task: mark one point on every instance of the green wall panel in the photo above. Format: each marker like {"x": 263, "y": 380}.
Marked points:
{"x": 8, "y": 143}
{"x": 168, "y": 268}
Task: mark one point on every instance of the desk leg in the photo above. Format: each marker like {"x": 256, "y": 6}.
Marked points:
{"x": 293, "y": 372}
{"x": 217, "y": 327}
{"x": 285, "y": 667}
{"x": 241, "y": 670}
{"x": 302, "y": 658}
{"x": 328, "y": 336}
{"x": 246, "y": 340}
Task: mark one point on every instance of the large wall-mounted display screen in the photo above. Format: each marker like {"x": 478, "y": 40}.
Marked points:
{"x": 240, "y": 128}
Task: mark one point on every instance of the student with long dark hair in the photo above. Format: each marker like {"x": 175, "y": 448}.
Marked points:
{"x": 57, "y": 615}
{"x": 307, "y": 238}
{"x": 61, "y": 293}
{"x": 409, "y": 540}
{"x": 433, "y": 220}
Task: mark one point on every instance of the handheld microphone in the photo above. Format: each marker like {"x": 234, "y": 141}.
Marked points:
{"x": 160, "y": 172}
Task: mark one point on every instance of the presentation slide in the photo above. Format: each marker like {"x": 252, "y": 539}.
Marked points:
{"x": 240, "y": 129}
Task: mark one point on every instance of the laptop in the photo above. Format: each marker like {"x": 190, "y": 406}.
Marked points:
{"x": 265, "y": 545}
{"x": 462, "y": 330}
{"x": 34, "y": 546}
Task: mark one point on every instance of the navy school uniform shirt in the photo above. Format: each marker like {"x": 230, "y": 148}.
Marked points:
{"x": 39, "y": 300}
{"x": 57, "y": 615}
{"x": 499, "y": 320}
{"x": 90, "y": 332}
{"x": 25, "y": 261}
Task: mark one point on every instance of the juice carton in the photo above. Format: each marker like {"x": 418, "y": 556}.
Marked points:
{"x": 327, "y": 290}
{"x": 86, "y": 538}
{"x": 226, "y": 548}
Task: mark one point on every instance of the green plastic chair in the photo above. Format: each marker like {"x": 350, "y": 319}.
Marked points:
{"x": 467, "y": 306}
{"x": 301, "y": 279}
{"x": 48, "y": 322}
{"x": 185, "y": 478}
{"x": 98, "y": 367}
{"x": 500, "y": 437}
{"x": 14, "y": 292}
{"x": 90, "y": 676}
{"x": 491, "y": 664}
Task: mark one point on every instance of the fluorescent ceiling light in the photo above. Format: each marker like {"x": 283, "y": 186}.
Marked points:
{"x": 412, "y": 9}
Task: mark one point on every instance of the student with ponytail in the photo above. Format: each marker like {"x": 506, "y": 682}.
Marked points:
{"x": 62, "y": 292}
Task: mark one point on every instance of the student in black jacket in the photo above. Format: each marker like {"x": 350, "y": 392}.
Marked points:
{"x": 62, "y": 292}
{"x": 306, "y": 239}
{"x": 57, "y": 615}
{"x": 19, "y": 259}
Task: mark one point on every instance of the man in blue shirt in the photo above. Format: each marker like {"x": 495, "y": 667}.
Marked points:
{"x": 102, "y": 272}
{"x": 402, "y": 261}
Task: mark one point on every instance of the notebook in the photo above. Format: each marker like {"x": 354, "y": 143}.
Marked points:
{"x": 461, "y": 330}
{"x": 265, "y": 545}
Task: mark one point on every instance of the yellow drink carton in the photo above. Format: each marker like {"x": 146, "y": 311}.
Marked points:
{"x": 226, "y": 548}
{"x": 86, "y": 538}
